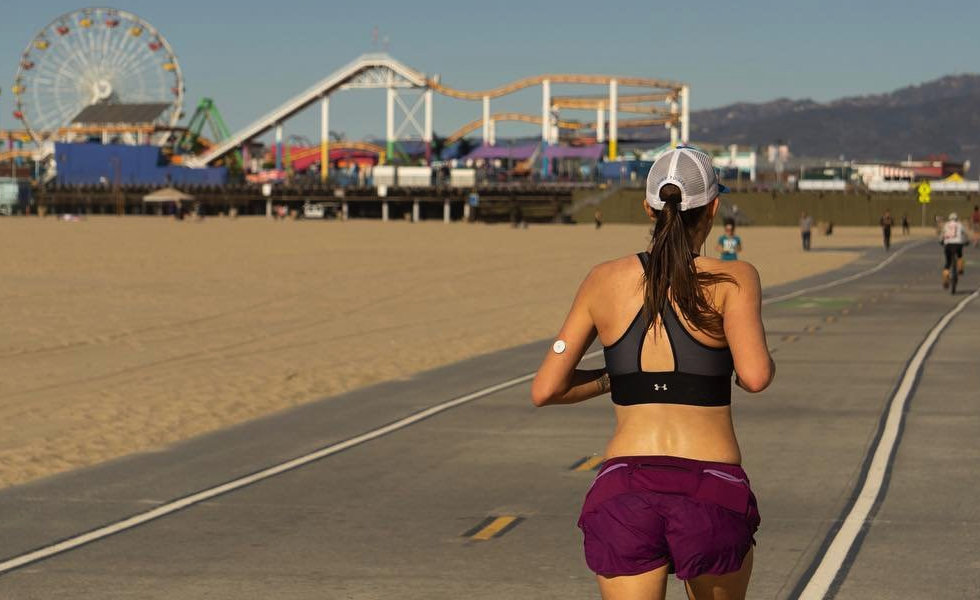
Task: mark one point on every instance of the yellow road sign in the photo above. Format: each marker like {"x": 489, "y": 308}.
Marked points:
{"x": 924, "y": 192}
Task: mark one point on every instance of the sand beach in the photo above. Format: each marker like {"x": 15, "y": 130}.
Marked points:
{"x": 124, "y": 335}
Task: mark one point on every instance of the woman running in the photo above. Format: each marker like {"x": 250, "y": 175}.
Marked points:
{"x": 671, "y": 495}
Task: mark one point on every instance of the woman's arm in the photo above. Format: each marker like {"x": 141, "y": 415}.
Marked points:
{"x": 754, "y": 367}
{"x": 558, "y": 381}
{"x": 584, "y": 384}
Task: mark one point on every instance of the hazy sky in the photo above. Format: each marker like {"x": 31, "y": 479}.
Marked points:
{"x": 250, "y": 56}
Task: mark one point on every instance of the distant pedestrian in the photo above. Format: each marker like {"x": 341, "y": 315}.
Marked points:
{"x": 906, "y": 227}
{"x": 598, "y": 218}
{"x": 886, "y": 228}
{"x": 806, "y": 224}
{"x": 729, "y": 244}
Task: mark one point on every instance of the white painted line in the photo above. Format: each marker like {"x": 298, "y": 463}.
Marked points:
{"x": 186, "y": 501}
{"x": 847, "y": 279}
{"x": 833, "y": 558}
{"x": 197, "y": 498}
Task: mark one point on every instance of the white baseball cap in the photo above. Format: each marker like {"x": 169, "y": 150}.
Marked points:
{"x": 689, "y": 169}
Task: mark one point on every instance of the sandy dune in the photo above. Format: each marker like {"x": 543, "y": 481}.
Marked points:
{"x": 124, "y": 335}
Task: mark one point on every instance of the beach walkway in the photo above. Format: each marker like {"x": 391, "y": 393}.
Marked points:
{"x": 451, "y": 485}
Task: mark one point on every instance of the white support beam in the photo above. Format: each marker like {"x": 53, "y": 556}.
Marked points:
{"x": 416, "y": 215}
{"x": 685, "y": 114}
{"x": 613, "y": 120}
{"x": 389, "y": 131}
{"x": 384, "y": 210}
{"x": 279, "y": 145}
{"x": 486, "y": 121}
{"x": 674, "y": 119}
{"x": 324, "y": 138}
{"x": 427, "y": 134}
{"x": 445, "y": 210}
{"x": 600, "y": 125}
{"x": 546, "y": 109}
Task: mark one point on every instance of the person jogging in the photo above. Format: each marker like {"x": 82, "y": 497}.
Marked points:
{"x": 671, "y": 495}
{"x": 952, "y": 238}
{"x": 729, "y": 244}
{"x": 886, "y": 228}
{"x": 806, "y": 224}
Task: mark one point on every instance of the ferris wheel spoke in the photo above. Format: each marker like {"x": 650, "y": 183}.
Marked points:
{"x": 65, "y": 65}
{"x": 91, "y": 46}
{"x": 103, "y": 51}
{"x": 61, "y": 76}
{"x": 140, "y": 62}
{"x": 114, "y": 50}
{"x": 75, "y": 44}
{"x": 126, "y": 49}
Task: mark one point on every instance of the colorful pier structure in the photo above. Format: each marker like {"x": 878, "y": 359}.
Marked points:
{"x": 409, "y": 109}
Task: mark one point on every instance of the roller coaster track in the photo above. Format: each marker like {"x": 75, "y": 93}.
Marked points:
{"x": 524, "y": 118}
{"x": 10, "y": 154}
{"x": 314, "y": 151}
{"x": 593, "y": 102}
{"x": 527, "y": 82}
{"x": 24, "y": 136}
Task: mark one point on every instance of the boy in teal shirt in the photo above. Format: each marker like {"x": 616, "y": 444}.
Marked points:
{"x": 729, "y": 245}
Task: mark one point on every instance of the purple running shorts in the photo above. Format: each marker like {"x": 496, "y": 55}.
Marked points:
{"x": 643, "y": 512}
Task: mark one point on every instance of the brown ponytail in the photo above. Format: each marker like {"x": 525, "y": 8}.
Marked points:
{"x": 671, "y": 269}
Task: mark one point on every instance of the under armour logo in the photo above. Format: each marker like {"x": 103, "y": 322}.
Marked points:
{"x": 658, "y": 387}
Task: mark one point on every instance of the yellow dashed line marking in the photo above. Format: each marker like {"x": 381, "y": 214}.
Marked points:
{"x": 873, "y": 300}
{"x": 492, "y": 527}
{"x": 860, "y": 305}
{"x": 790, "y": 338}
{"x": 830, "y": 319}
{"x": 588, "y": 463}
{"x": 812, "y": 328}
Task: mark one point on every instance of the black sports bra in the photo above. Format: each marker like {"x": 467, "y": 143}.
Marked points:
{"x": 701, "y": 377}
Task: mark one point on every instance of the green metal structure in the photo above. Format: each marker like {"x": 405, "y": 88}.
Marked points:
{"x": 206, "y": 113}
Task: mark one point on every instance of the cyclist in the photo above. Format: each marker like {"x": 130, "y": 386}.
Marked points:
{"x": 953, "y": 238}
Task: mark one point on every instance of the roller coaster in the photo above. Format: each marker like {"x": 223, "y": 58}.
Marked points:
{"x": 665, "y": 103}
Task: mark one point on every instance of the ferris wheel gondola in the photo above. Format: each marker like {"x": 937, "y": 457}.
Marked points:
{"x": 95, "y": 56}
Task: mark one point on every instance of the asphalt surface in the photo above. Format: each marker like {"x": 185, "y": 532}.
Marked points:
{"x": 395, "y": 517}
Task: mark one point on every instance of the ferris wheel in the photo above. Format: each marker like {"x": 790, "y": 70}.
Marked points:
{"x": 95, "y": 56}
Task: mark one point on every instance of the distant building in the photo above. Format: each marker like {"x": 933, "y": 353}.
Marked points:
{"x": 732, "y": 162}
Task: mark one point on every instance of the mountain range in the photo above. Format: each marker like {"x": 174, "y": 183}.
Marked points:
{"x": 932, "y": 119}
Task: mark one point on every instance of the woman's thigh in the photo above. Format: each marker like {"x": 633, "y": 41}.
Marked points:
{"x": 651, "y": 585}
{"x": 730, "y": 586}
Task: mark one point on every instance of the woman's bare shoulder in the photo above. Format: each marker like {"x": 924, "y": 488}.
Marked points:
{"x": 613, "y": 273}
{"x": 617, "y": 267}
{"x": 739, "y": 270}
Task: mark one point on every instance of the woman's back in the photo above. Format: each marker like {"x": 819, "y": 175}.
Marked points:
{"x": 683, "y": 427}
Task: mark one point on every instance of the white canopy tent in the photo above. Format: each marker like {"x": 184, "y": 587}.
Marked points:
{"x": 168, "y": 194}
